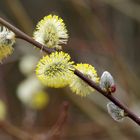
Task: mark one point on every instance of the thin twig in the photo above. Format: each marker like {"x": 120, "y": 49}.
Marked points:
{"x": 127, "y": 7}
{"x": 47, "y": 135}
{"x": 55, "y": 131}
{"x": 91, "y": 83}
{"x": 109, "y": 96}
{"x": 62, "y": 117}
{"x": 14, "y": 131}
{"x": 22, "y": 35}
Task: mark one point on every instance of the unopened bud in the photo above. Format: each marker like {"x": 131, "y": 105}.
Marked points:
{"x": 107, "y": 82}
{"x": 115, "y": 112}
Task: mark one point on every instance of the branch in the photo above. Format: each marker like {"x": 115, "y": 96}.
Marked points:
{"x": 62, "y": 117}
{"x": 47, "y": 135}
{"x": 14, "y": 131}
{"x": 130, "y": 114}
{"x": 22, "y": 35}
{"x": 55, "y": 131}
{"x": 127, "y": 7}
{"x": 91, "y": 83}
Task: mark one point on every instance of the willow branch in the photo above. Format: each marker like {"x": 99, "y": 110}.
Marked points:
{"x": 91, "y": 83}
{"x": 62, "y": 117}
{"x": 47, "y": 135}
{"x": 14, "y": 131}
{"x": 55, "y": 131}
{"x": 22, "y": 35}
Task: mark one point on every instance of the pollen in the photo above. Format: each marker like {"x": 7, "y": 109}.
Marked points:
{"x": 55, "y": 70}
{"x": 78, "y": 86}
{"x": 51, "y": 31}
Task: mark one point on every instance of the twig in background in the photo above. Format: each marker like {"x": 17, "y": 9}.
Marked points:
{"x": 54, "y": 132}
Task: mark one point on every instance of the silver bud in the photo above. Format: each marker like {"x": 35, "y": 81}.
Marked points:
{"x": 107, "y": 82}
{"x": 115, "y": 112}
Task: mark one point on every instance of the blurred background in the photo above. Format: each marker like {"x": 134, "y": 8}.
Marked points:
{"x": 103, "y": 33}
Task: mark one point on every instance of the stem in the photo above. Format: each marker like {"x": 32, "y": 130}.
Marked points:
{"x": 55, "y": 131}
{"x": 14, "y": 131}
{"x": 91, "y": 83}
{"x": 130, "y": 114}
{"x": 22, "y": 35}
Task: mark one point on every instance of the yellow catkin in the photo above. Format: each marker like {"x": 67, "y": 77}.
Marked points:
{"x": 39, "y": 100}
{"x": 54, "y": 70}
{"x": 3, "y": 110}
{"x": 78, "y": 86}
{"x": 51, "y": 31}
{"x": 7, "y": 39}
